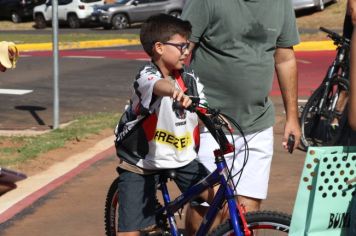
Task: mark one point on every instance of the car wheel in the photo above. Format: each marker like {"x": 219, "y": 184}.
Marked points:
{"x": 175, "y": 13}
{"x": 73, "y": 21}
{"x": 120, "y": 21}
{"x": 107, "y": 27}
{"x": 40, "y": 22}
{"x": 321, "y": 5}
{"x": 15, "y": 17}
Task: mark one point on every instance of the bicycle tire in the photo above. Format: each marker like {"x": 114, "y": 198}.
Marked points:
{"x": 315, "y": 125}
{"x": 261, "y": 222}
{"x": 111, "y": 209}
{"x": 111, "y": 215}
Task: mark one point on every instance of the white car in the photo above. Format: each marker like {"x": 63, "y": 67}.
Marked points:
{"x": 73, "y": 12}
{"x": 318, "y": 4}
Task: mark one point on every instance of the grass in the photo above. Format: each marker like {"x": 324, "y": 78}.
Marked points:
{"x": 332, "y": 17}
{"x": 19, "y": 149}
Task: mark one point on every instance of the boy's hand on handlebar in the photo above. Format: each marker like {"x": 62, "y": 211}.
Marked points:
{"x": 180, "y": 97}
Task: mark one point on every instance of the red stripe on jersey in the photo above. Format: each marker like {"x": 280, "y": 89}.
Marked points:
{"x": 196, "y": 137}
{"x": 149, "y": 126}
{"x": 180, "y": 81}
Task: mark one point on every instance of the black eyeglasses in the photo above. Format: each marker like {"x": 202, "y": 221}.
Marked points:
{"x": 181, "y": 46}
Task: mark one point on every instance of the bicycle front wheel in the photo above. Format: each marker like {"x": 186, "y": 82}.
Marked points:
{"x": 111, "y": 209}
{"x": 261, "y": 223}
{"x": 317, "y": 122}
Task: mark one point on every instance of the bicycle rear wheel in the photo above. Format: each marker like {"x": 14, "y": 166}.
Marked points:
{"x": 316, "y": 123}
{"x": 261, "y": 223}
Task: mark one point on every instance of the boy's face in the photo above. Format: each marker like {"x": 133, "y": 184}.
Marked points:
{"x": 174, "y": 52}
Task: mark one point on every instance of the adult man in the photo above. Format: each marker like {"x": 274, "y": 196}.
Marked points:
{"x": 352, "y": 101}
{"x": 8, "y": 55}
{"x": 237, "y": 46}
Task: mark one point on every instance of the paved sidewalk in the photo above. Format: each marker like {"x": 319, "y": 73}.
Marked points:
{"x": 36, "y": 186}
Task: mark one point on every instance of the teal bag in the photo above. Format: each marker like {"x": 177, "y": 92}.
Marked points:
{"x": 326, "y": 195}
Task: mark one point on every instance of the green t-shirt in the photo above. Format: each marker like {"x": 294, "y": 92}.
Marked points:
{"x": 234, "y": 57}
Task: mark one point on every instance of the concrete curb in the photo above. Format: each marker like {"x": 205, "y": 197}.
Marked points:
{"x": 304, "y": 46}
{"x": 78, "y": 45}
{"x": 36, "y": 186}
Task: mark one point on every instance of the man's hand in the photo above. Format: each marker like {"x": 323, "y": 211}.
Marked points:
{"x": 294, "y": 129}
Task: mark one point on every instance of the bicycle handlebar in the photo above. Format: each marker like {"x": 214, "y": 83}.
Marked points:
{"x": 338, "y": 39}
{"x": 213, "y": 122}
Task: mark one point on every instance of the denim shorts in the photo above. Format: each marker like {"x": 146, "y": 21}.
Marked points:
{"x": 137, "y": 194}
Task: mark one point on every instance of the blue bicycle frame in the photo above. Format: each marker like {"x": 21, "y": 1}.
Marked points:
{"x": 225, "y": 191}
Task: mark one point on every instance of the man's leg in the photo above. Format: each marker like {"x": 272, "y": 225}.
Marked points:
{"x": 258, "y": 165}
{"x": 249, "y": 203}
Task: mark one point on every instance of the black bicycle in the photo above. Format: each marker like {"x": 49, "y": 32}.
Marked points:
{"x": 324, "y": 115}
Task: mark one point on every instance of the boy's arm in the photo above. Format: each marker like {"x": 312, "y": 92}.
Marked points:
{"x": 164, "y": 87}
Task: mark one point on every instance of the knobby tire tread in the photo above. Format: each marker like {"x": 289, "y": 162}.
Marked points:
{"x": 111, "y": 214}
{"x": 256, "y": 217}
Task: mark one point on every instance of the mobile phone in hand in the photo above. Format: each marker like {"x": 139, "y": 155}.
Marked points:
{"x": 290, "y": 143}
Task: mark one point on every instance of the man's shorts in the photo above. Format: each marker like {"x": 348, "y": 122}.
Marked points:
{"x": 254, "y": 180}
{"x": 137, "y": 194}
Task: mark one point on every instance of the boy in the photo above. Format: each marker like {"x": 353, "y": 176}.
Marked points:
{"x": 8, "y": 55}
{"x": 158, "y": 137}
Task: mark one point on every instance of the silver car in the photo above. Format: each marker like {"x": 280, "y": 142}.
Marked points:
{"x": 318, "y": 4}
{"x": 123, "y": 13}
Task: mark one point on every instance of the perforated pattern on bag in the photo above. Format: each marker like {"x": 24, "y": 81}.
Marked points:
{"x": 334, "y": 178}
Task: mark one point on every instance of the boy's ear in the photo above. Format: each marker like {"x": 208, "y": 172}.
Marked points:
{"x": 158, "y": 48}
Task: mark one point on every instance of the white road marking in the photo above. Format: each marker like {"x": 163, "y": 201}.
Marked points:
{"x": 302, "y": 100}
{"x": 86, "y": 57}
{"x": 303, "y": 61}
{"x": 15, "y": 91}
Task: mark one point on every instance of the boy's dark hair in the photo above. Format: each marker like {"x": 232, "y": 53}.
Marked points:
{"x": 160, "y": 28}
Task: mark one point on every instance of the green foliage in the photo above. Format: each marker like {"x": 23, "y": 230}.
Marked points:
{"x": 17, "y": 149}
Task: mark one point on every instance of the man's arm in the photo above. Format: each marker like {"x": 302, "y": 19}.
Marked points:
{"x": 352, "y": 101}
{"x": 286, "y": 69}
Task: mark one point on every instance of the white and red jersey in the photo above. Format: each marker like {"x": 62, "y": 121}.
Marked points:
{"x": 155, "y": 136}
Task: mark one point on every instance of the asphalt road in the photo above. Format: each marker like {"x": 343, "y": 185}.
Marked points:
{"x": 87, "y": 85}
{"x": 98, "y": 80}
{"x": 101, "y": 84}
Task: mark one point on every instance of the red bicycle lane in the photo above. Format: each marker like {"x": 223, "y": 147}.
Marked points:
{"x": 312, "y": 66}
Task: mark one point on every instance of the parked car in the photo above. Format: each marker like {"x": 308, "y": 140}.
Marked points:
{"x": 318, "y": 4}
{"x": 123, "y": 13}
{"x": 73, "y": 12}
{"x": 17, "y": 10}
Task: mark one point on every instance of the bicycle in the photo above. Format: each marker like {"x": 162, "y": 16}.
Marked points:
{"x": 324, "y": 115}
{"x": 239, "y": 223}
